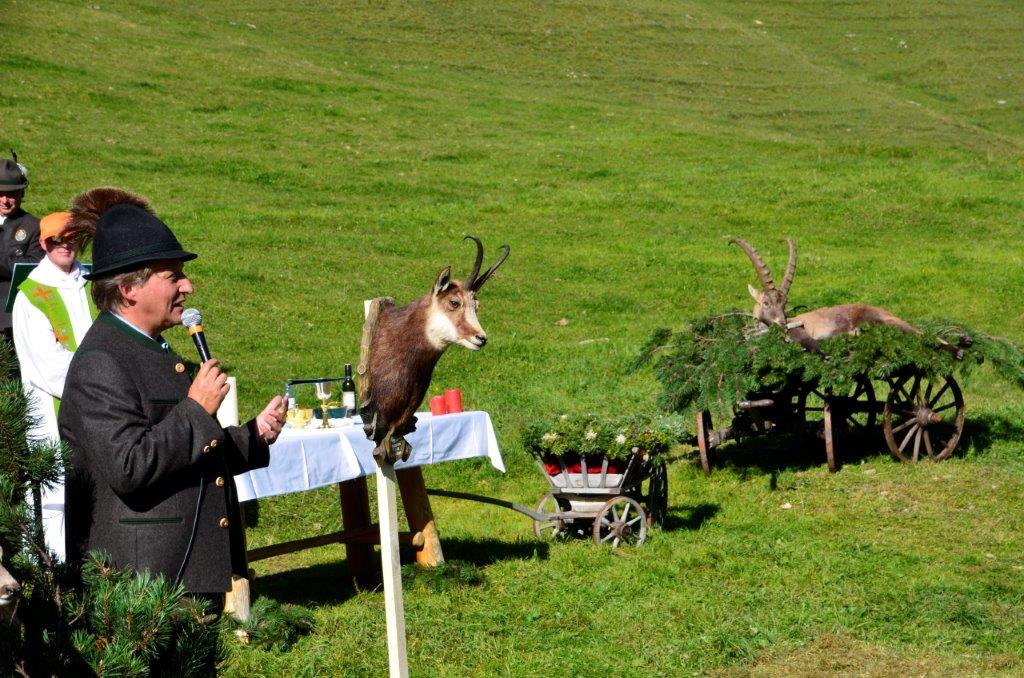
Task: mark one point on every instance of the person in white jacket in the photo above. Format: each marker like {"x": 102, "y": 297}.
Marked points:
{"x": 50, "y": 316}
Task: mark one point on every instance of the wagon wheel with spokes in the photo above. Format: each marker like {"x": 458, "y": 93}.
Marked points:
{"x": 923, "y": 414}
{"x": 554, "y": 528}
{"x": 839, "y": 416}
{"x": 620, "y": 521}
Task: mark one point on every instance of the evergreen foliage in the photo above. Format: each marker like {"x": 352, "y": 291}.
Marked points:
{"x": 719, "y": 360}
{"x": 135, "y": 625}
{"x": 449, "y": 575}
{"x": 272, "y": 626}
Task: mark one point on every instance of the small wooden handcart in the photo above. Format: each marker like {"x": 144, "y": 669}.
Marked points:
{"x": 614, "y": 501}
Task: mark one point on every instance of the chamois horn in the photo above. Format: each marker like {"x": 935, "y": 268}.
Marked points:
{"x": 763, "y": 274}
{"x": 473, "y": 282}
{"x": 787, "y": 279}
{"x": 479, "y": 259}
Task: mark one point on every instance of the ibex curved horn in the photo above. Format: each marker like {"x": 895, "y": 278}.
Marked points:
{"x": 763, "y": 274}
{"x": 505, "y": 250}
{"x": 787, "y": 279}
{"x": 471, "y": 280}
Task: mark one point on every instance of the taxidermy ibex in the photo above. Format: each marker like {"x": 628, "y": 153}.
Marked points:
{"x": 812, "y": 327}
{"x": 406, "y": 345}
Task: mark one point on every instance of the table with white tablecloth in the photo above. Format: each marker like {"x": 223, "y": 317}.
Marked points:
{"x": 308, "y": 458}
{"x": 304, "y": 459}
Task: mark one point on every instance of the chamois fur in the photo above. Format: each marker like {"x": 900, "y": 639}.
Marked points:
{"x": 406, "y": 345}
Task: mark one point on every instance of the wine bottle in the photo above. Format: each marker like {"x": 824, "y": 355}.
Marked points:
{"x": 348, "y": 392}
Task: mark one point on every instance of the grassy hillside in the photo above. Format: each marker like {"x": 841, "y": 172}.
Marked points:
{"x": 317, "y": 155}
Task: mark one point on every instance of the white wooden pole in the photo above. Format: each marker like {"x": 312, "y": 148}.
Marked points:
{"x": 387, "y": 512}
{"x": 391, "y": 566}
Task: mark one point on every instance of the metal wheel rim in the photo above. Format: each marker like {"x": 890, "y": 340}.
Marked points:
{"x": 923, "y": 418}
{"x": 620, "y": 521}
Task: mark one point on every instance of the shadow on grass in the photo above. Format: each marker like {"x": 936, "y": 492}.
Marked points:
{"x": 769, "y": 454}
{"x": 481, "y": 552}
{"x": 689, "y": 517}
{"x": 324, "y": 584}
{"x": 982, "y": 431}
{"x": 330, "y": 583}
{"x": 772, "y": 453}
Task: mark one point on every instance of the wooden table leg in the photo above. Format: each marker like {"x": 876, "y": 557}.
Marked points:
{"x": 355, "y": 513}
{"x": 420, "y": 517}
{"x": 237, "y": 600}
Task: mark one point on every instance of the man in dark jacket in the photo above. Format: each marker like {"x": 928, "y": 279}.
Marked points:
{"x": 150, "y": 481}
{"x": 19, "y": 233}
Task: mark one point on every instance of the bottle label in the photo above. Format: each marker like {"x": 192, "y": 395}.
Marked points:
{"x": 348, "y": 399}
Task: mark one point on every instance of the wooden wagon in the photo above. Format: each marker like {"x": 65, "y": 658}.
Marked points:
{"x": 921, "y": 416}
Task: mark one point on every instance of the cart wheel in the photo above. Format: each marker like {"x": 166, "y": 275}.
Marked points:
{"x": 657, "y": 495}
{"x": 620, "y": 521}
{"x": 840, "y": 416}
{"x": 704, "y": 440}
{"x": 553, "y": 529}
{"x": 925, "y": 410}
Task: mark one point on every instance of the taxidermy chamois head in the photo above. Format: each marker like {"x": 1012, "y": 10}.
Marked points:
{"x": 812, "y": 327}
{"x": 10, "y": 589}
{"x": 407, "y": 343}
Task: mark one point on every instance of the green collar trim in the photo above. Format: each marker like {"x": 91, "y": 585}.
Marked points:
{"x": 133, "y": 334}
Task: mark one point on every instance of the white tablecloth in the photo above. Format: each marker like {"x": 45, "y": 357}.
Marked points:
{"x": 303, "y": 459}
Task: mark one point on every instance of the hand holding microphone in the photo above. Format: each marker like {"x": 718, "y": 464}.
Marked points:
{"x": 193, "y": 322}
{"x": 210, "y": 386}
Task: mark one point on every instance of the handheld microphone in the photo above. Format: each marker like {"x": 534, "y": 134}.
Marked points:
{"x": 192, "y": 320}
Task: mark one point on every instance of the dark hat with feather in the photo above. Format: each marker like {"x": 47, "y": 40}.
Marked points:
{"x": 13, "y": 175}
{"x": 124, "y": 231}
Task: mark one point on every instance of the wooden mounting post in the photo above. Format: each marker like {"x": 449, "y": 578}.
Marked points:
{"x": 387, "y": 511}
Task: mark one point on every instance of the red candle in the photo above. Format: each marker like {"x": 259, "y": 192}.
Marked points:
{"x": 453, "y": 400}
{"x": 437, "y": 405}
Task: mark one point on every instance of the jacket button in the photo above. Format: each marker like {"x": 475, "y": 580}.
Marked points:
{"x": 179, "y": 368}
{"x": 206, "y": 448}
{"x": 223, "y": 522}
{"x": 213, "y": 443}
{"x": 219, "y": 481}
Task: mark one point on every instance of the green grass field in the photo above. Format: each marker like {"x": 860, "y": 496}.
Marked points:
{"x": 317, "y": 155}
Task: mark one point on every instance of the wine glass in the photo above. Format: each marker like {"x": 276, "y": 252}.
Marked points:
{"x": 323, "y": 394}
{"x": 299, "y": 417}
